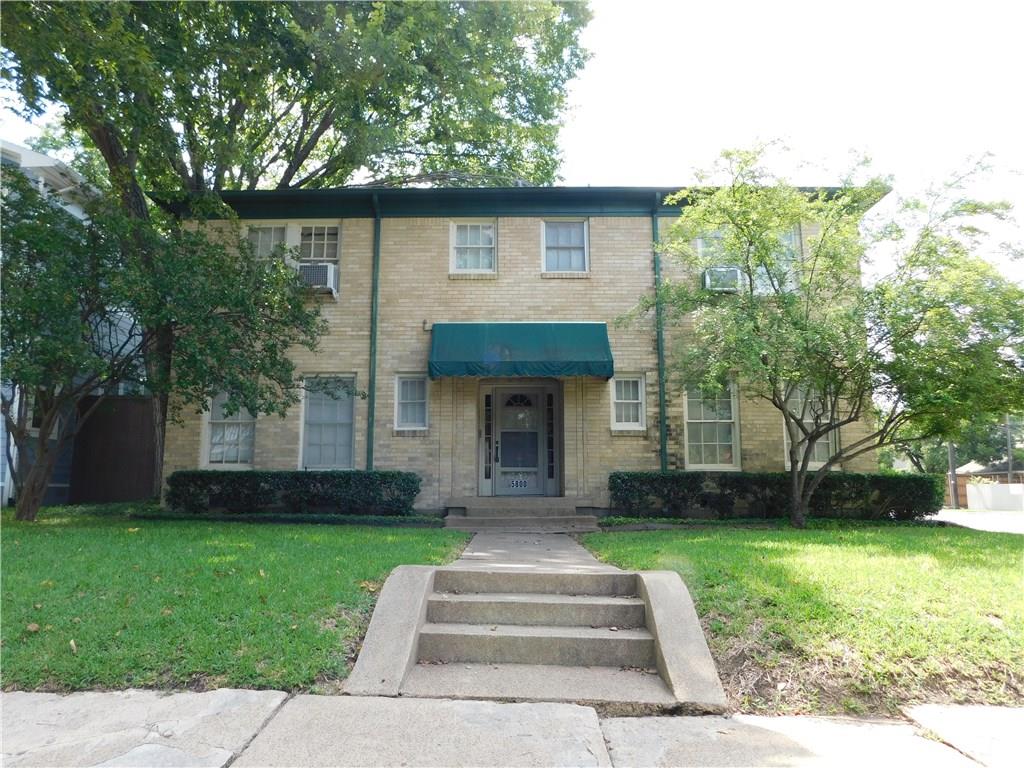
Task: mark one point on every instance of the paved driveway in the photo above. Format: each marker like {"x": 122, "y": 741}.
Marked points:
{"x": 1000, "y": 522}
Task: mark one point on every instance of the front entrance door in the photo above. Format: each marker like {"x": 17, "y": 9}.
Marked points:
{"x": 519, "y": 441}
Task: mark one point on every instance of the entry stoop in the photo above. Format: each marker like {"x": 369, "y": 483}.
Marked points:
{"x": 528, "y": 514}
{"x": 600, "y": 639}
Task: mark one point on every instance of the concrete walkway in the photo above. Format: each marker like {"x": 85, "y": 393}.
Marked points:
{"x": 266, "y": 728}
{"x": 530, "y": 552}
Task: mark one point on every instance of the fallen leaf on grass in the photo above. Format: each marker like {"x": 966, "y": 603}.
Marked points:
{"x": 33, "y": 627}
{"x": 47, "y": 583}
{"x": 369, "y": 586}
{"x": 263, "y": 574}
{"x": 74, "y": 648}
{"x": 133, "y": 530}
{"x": 166, "y": 612}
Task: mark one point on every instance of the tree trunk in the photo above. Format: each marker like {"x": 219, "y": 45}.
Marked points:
{"x": 797, "y": 505}
{"x": 158, "y": 369}
{"x": 35, "y": 482}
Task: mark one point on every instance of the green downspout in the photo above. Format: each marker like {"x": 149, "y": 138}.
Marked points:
{"x": 374, "y": 311}
{"x": 659, "y": 323}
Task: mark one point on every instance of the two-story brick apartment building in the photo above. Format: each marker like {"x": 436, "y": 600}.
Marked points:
{"x": 481, "y": 324}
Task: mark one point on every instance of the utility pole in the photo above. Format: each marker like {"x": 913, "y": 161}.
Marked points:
{"x": 954, "y": 490}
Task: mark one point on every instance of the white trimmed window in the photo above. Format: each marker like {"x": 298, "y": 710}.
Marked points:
{"x": 231, "y": 437}
{"x": 812, "y": 412}
{"x": 565, "y": 246}
{"x": 265, "y": 240}
{"x": 711, "y": 249}
{"x": 712, "y": 431}
{"x": 411, "y": 402}
{"x": 628, "y": 402}
{"x": 473, "y": 246}
{"x": 327, "y": 433}
{"x": 318, "y": 243}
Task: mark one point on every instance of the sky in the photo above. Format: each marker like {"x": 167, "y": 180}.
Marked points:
{"x": 920, "y": 87}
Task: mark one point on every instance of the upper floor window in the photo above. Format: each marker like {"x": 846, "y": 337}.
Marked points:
{"x": 565, "y": 246}
{"x": 232, "y": 437}
{"x": 473, "y": 246}
{"x": 712, "y": 433}
{"x": 265, "y": 240}
{"x": 725, "y": 274}
{"x": 628, "y": 402}
{"x": 318, "y": 243}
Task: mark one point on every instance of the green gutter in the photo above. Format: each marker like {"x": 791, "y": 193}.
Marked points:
{"x": 659, "y": 323}
{"x": 374, "y": 312}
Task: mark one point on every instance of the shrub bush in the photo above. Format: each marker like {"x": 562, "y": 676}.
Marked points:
{"x": 342, "y": 493}
{"x": 767, "y": 495}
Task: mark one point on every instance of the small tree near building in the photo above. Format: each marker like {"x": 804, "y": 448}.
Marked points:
{"x": 79, "y": 300}
{"x": 773, "y": 299}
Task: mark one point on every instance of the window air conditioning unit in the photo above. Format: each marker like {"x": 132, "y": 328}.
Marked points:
{"x": 321, "y": 277}
{"x": 722, "y": 279}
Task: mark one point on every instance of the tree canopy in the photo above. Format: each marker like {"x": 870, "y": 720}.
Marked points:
{"x": 79, "y": 303}
{"x": 934, "y": 342}
{"x": 209, "y": 96}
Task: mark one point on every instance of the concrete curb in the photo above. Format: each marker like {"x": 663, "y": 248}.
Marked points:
{"x": 389, "y": 648}
{"x": 681, "y": 650}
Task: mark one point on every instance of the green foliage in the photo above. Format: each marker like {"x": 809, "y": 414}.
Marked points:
{"x": 768, "y": 495}
{"x": 206, "y": 96}
{"x": 174, "y": 604}
{"x": 936, "y": 341}
{"x": 881, "y": 615}
{"x": 377, "y": 492}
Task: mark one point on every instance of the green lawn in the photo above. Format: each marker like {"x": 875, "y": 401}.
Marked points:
{"x": 849, "y": 617}
{"x": 95, "y": 599}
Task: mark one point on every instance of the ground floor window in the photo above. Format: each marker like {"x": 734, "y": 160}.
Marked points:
{"x": 411, "y": 402}
{"x": 712, "y": 433}
{"x": 628, "y": 402}
{"x": 327, "y": 424}
{"x": 811, "y": 409}
{"x": 232, "y": 437}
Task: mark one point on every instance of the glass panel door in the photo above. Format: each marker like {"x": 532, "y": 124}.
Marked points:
{"x": 518, "y": 449}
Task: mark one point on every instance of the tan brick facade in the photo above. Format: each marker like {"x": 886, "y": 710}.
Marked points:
{"x": 416, "y": 291}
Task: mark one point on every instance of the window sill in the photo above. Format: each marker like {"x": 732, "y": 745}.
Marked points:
{"x": 710, "y": 468}
{"x": 472, "y": 275}
{"x": 565, "y": 275}
{"x": 229, "y": 467}
{"x": 633, "y": 432}
{"x": 425, "y": 432}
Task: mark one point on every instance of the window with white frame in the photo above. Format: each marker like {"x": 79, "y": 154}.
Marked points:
{"x": 711, "y": 249}
{"x": 318, "y": 243}
{"x": 232, "y": 437}
{"x": 712, "y": 432}
{"x": 327, "y": 424}
{"x": 628, "y": 399}
{"x": 411, "y": 402}
{"x": 565, "y": 246}
{"x": 473, "y": 246}
{"x": 265, "y": 240}
{"x": 810, "y": 410}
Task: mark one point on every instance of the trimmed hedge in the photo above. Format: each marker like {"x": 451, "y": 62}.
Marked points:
{"x": 295, "y": 492}
{"x": 767, "y": 494}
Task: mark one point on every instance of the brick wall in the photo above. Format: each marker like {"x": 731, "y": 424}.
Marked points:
{"x": 416, "y": 291}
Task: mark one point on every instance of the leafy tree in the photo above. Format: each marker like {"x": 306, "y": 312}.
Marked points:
{"x": 78, "y": 303}
{"x": 185, "y": 99}
{"x": 913, "y": 355}
{"x": 980, "y": 441}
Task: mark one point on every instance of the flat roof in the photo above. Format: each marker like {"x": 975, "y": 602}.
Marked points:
{"x": 366, "y": 202}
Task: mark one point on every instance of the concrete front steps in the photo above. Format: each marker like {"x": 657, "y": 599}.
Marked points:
{"x": 625, "y": 643}
{"x": 532, "y": 514}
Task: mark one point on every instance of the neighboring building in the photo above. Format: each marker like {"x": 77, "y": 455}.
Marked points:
{"x": 67, "y": 186}
{"x": 482, "y": 324}
{"x": 111, "y": 457}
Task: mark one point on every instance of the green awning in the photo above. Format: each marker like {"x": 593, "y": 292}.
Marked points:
{"x": 520, "y": 349}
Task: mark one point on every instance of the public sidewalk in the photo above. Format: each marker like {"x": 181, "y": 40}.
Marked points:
{"x": 269, "y": 728}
